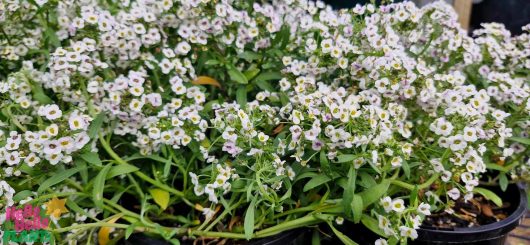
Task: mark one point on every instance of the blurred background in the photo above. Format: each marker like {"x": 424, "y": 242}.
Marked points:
{"x": 512, "y": 13}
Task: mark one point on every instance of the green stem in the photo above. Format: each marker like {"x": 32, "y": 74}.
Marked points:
{"x": 119, "y": 160}
{"x": 412, "y": 187}
{"x": 292, "y": 224}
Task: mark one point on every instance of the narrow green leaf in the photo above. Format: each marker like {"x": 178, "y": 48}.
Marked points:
{"x": 212, "y": 62}
{"x": 349, "y": 191}
{"x": 357, "y": 208}
{"x": 40, "y": 96}
{"x": 22, "y": 195}
{"x": 497, "y": 167}
{"x": 503, "y": 182}
{"x": 241, "y": 96}
{"x": 161, "y": 197}
{"x": 406, "y": 168}
{"x": 95, "y": 125}
{"x": 121, "y": 169}
{"x": 99, "y": 185}
{"x": 316, "y": 181}
{"x": 251, "y": 73}
{"x": 373, "y": 194}
{"x": 315, "y": 238}
{"x": 343, "y": 238}
{"x": 490, "y": 195}
{"x": 58, "y": 177}
{"x": 237, "y": 75}
{"x": 324, "y": 163}
{"x": 372, "y": 224}
{"x": 92, "y": 157}
{"x": 345, "y": 158}
{"x": 130, "y": 229}
{"x": 264, "y": 85}
{"x": 249, "y": 220}
{"x": 269, "y": 75}
{"x": 521, "y": 140}
{"x": 249, "y": 56}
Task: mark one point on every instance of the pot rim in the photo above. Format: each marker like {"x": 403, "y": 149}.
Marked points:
{"x": 508, "y": 223}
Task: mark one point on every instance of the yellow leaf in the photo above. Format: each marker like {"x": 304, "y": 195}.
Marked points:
{"x": 205, "y": 80}
{"x": 55, "y": 207}
{"x": 161, "y": 197}
{"x": 104, "y": 232}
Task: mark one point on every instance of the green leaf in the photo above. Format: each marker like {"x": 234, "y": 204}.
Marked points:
{"x": 372, "y": 224}
{"x": 349, "y": 191}
{"x": 241, "y": 96}
{"x": 161, "y": 197}
{"x": 406, "y": 168}
{"x": 237, "y": 75}
{"x": 92, "y": 157}
{"x": 249, "y": 219}
{"x": 357, "y": 208}
{"x": 22, "y": 195}
{"x": 315, "y": 238}
{"x": 95, "y": 125}
{"x": 121, "y": 169}
{"x": 343, "y": 238}
{"x": 324, "y": 163}
{"x": 40, "y": 96}
{"x": 74, "y": 207}
{"x": 489, "y": 195}
{"x": 496, "y": 167}
{"x": 212, "y": 62}
{"x": 58, "y": 177}
{"x": 264, "y": 85}
{"x": 251, "y": 73}
{"x": 373, "y": 194}
{"x": 130, "y": 229}
{"x": 316, "y": 181}
{"x": 99, "y": 186}
{"x": 503, "y": 182}
{"x": 269, "y": 75}
{"x": 521, "y": 140}
{"x": 345, "y": 158}
{"x": 249, "y": 56}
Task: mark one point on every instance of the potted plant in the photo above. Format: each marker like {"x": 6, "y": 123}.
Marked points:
{"x": 246, "y": 120}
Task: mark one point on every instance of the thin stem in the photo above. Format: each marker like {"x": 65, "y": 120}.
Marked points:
{"x": 119, "y": 160}
{"x": 411, "y": 187}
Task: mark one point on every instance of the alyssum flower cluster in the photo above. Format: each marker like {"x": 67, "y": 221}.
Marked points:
{"x": 242, "y": 119}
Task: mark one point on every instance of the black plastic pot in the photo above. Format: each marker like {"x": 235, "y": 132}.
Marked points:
{"x": 292, "y": 237}
{"x": 491, "y": 234}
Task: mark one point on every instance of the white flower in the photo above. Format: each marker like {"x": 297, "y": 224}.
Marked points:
{"x": 398, "y": 205}
{"x": 408, "y": 232}
{"x": 454, "y": 193}
{"x": 470, "y": 134}
{"x": 262, "y": 137}
{"x": 381, "y": 241}
{"x": 386, "y": 202}
{"x": 52, "y": 112}
{"x": 424, "y": 208}
{"x": 208, "y": 213}
{"x": 76, "y": 122}
{"x": 12, "y": 158}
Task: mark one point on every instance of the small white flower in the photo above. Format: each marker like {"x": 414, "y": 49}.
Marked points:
{"x": 386, "y": 202}
{"x": 454, "y": 193}
{"x": 424, "y": 208}
{"x": 408, "y": 232}
{"x": 398, "y": 205}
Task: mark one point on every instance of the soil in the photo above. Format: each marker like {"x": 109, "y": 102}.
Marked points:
{"x": 476, "y": 212}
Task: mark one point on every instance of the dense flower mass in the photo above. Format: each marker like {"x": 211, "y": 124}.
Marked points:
{"x": 249, "y": 118}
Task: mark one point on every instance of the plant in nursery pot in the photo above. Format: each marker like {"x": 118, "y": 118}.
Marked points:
{"x": 243, "y": 121}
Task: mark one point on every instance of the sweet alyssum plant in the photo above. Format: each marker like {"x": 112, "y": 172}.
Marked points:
{"x": 243, "y": 119}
